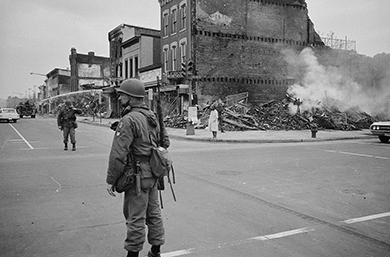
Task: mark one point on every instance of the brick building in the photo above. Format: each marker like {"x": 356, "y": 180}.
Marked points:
{"x": 234, "y": 46}
{"x": 135, "y": 52}
{"x": 88, "y": 71}
{"x": 57, "y": 82}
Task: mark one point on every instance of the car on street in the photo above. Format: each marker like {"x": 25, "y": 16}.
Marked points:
{"x": 382, "y": 130}
{"x": 9, "y": 114}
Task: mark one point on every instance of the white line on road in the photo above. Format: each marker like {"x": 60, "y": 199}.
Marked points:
{"x": 357, "y": 154}
{"x": 370, "y": 217}
{"x": 178, "y": 253}
{"x": 27, "y": 143}
{"x": 281, "y": 234}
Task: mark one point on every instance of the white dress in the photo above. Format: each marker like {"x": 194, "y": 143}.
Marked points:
{"x": 213, "y": 121}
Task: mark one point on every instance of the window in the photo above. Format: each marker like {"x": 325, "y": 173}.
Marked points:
{"x": 165, "y": 22}
{"x": 174, "y": 56}
{"x": 183, "y": 16}
{"x": 174, "y": 20}
{"x": 136, "y": 66}
{"x": 131, "y": 68}
{"x": 126, "y": 69}
{"x": 166, "y": 51}
{"x": 183, "y": 50}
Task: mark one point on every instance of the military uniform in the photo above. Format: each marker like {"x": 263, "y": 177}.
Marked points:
{"x": 67, "y": 121}
{"x": 133, "y": 137}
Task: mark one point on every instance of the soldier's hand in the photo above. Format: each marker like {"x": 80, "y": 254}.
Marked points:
{"x": 110, "y": 190}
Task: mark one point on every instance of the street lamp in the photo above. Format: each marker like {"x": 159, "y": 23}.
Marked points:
{"x": 44, "y": 88}
{"x": 35, "y": 73}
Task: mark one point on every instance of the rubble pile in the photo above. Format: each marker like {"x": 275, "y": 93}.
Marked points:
{"x": 276, "y": 115}
{"x": 175, "y": 121}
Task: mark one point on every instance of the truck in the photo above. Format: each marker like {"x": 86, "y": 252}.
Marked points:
{"x": 26, "y": 109}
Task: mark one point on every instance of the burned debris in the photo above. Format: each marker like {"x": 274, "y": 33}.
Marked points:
{"x": 277, "y": 114}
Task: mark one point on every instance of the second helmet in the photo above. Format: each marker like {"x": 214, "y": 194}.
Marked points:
{"x": 132, "y": 87}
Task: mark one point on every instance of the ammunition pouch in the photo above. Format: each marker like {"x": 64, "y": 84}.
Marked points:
{"x": 126, "y": 180}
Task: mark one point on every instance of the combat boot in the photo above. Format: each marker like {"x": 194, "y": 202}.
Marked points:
{"x": 155, "y": 251}
{"x": 74, "y": 147}
{"x": 65, "y": 146}
{"x": 150, "y": 254}
{"x": 132, "y": 254}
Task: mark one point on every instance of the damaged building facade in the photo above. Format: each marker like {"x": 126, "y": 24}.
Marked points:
{"x": 233, "y": 46}
{"x": 88, "y": 71}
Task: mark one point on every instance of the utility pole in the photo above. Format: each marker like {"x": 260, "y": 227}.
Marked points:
{"x": 187, "y": 74}
{"x": 34, "y": 93}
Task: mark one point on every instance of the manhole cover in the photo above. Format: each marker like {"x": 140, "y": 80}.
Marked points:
{"x": 354, "y": 191}
{"x": 228, "y": 173}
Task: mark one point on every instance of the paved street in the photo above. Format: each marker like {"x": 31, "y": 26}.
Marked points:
{"x": 314, "y": 198}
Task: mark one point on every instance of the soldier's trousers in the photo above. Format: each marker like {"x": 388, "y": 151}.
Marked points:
{"x": 69, "y": 131}
{"x": 141, "y": 210}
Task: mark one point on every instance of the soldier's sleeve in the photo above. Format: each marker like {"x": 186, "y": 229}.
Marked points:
{"x": 59, "y": 119}
{"x": 120, "y": 150}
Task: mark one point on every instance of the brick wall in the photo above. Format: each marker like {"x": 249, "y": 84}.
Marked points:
{"x": 237, "y": 45}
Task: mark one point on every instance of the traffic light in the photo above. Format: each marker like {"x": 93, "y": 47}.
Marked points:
{"x": 189, "y": 67}
{"x": 183, "y": 69}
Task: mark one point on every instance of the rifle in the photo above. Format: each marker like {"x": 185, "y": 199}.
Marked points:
{"x": 161, "y": 185}
{"x": 162, "y": 128}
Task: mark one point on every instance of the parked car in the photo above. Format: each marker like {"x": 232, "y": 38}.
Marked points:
{"x": 9, "y": 114}
{"x": 382, "y": 130}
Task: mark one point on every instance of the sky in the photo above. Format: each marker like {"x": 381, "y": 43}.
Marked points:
{"x": 37, "y": 35}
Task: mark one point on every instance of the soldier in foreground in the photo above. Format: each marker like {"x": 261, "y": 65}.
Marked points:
{"x": 135, "y": 135}
{"x": 66, "y": 121}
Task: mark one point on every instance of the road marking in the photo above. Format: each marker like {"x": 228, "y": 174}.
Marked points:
{"x": 370, "y": 217}
{"x": 357, "y": 154}
{"x": 178, "y": 253}
{"x": 27, "y": 143}
{"x": 282, "y": 234}
{"x": 277, "y": 235}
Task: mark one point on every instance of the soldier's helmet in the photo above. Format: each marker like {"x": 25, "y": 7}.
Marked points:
{"x": 132, "y": 87}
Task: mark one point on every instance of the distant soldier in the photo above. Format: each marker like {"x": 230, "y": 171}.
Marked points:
{"x": 66, "y": 121}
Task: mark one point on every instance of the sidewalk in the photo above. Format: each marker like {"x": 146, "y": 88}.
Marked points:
{"x": 258, "y": 136}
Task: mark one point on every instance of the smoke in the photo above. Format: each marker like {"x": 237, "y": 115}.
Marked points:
{"x": 326, "y": 86}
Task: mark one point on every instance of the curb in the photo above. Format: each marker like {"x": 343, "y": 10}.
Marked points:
{"x": 267, "y": 141}
{"x": 252, "y": 141}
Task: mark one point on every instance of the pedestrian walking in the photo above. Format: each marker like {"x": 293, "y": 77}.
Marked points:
{"x": 135, "y": 135}
{"x": 66, "y": 121}
{"x": 213, "y": 121}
